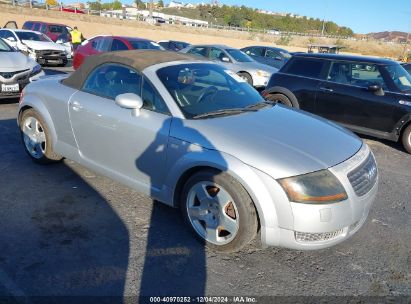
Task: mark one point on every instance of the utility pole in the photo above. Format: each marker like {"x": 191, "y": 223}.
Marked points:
{"x": 151, "y": 9}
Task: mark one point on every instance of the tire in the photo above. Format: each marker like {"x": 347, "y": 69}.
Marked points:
{"x": 406, "y": 139}
{"x": 280, "y": 98}
{"x": 247, "y": 77}
{"x": 226, "y": 210}
{"x": 36, "y": 138}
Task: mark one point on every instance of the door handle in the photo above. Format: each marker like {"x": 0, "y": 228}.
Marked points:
{"x": 76, "y": 106}
{"x": 326, "y": 89}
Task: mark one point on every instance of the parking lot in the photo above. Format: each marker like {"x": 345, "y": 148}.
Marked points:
{"x": 68, "y": 231}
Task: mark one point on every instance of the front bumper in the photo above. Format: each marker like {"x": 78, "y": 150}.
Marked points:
{"x": 259, "y": 81}
{"x": 51, "y": 57}
{"x": 22, "y": 80}
{"x": 316, "y": 226}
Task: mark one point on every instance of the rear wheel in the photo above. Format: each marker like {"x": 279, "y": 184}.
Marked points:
{"x": 406, "y": 139}
{"x": 280, "y": 98}
{"x": 36, "y": 138}
{"x": 247, "y": 77}
{"x": 219, "y": 211}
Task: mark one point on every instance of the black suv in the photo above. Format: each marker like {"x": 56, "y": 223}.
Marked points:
{"x": 371, "y": 96}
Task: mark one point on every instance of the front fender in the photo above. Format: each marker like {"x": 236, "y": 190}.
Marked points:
{"x": 247, "y": 176}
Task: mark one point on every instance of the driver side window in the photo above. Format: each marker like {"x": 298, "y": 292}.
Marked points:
{"x": 356, "y": 73}
{"x": 216, "y": 54}
{"x": 111, "y": 80}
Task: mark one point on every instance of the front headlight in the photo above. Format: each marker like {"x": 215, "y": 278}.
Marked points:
{"x": 320, "y": 187}
{"x": 263, "y": 73}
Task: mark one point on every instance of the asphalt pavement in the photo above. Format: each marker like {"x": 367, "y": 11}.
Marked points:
{"x": 65, "y": 230}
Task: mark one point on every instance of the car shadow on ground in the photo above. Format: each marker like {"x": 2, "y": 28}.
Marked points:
{"x": 59, "y": 237}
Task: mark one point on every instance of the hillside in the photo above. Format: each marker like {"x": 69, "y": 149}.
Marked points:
{"x": 248, "y": 17}
{"x": 95, "y": 25}
{"x": 394, "y": 36}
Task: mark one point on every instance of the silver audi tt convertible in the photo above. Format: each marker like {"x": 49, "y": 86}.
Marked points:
{"x": 194, "y": 135}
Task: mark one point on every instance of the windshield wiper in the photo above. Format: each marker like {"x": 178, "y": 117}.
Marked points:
{"x": 225, "y": 112}
{"x": 261, "y": 105}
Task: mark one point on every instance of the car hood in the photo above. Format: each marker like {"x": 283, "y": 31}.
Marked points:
{"x": 43, "y": 45}
{"x": 15, "y": 61}
{"x": 279, "y": 141}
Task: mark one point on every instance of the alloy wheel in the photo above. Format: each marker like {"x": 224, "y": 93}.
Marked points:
{"x": 212, "y": 212}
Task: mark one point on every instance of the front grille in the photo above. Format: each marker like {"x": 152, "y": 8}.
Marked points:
{"x": 305, "y": 237}
{"x": 9, "y": 75}
{"x": 50, "y": 54}
{"x": 363, "y": 177}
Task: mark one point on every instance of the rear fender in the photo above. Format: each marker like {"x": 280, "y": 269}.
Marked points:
{"x": 35, "y": 102}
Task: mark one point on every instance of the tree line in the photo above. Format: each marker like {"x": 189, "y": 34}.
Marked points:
{"x": 242, "y": 16}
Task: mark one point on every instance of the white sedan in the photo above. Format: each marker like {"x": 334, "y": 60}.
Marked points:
{"x": 16, "y": 71}
{"x": 37, "y": 45}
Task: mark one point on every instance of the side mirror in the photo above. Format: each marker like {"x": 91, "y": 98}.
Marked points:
{"x": 130, "y": 101}
{"x": 225, "y": 59}
{"x": 376, "y": 89}
{"x": 11, "y": 39}
{"x": 278, "y": 58}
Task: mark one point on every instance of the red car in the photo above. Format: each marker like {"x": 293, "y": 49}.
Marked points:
{"x": 72, "y": 10}
{"x": 52, "y": 30}
{"x": 102, "y": 44}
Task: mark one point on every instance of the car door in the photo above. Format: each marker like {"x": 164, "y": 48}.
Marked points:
{"x": 345, "y": 97}
{"x": 274, "y": 58}
{"x": 11, "y": 25}
{"x": 201, "y": 51}
{"x": 110, "y": 138}
{"x": 118, "y": 45}
{"x": 257, "y": 53}
{"x": 221, "y": 57}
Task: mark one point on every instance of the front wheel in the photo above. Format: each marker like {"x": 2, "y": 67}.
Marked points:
{"x": 36, "y": 138}
{"x": 219, "y": 211}
{"x": 406, "y": 139}
{"x": 280, "y": 98}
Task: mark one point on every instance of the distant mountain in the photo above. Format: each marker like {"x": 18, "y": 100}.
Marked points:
{"x": 394, "y": 36}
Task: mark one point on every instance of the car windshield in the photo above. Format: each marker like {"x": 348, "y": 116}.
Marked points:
{"x": 400, "y": 77}
{"x": 239, "y": 55}
{"x": 31, "y": 36}
{"x": 201, "y": 88}
{"x": 4, "y": 47}
{"x": 144, "y": 45}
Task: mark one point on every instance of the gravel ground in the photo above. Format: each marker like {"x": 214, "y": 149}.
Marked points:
{"x": 65, "y": 230}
